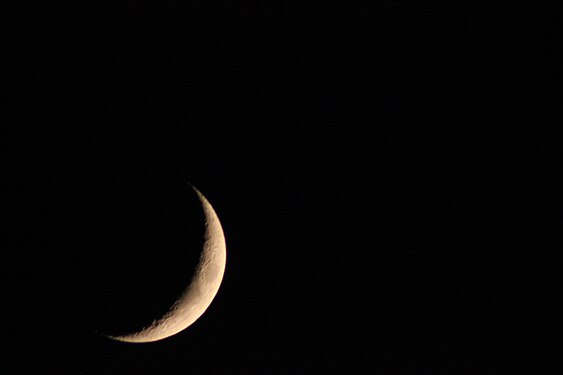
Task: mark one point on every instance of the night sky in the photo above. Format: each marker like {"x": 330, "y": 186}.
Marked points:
{"x": 388, "y": 199}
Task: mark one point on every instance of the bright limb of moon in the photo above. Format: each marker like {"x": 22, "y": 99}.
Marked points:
{"x": 203, "y": 287}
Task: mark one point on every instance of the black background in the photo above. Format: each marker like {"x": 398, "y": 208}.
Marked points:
{"x": 380, "y": 170}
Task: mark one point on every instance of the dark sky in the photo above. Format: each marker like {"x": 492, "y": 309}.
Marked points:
{"x": 387, "y": 196}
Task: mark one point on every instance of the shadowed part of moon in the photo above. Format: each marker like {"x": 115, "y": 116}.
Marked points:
{"x": 200, "y": 292}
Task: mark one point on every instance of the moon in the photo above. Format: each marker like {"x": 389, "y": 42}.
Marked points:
{"x": 199, "y": 293}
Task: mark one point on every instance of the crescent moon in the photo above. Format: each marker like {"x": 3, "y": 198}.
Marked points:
{"x": 199, "y": 294}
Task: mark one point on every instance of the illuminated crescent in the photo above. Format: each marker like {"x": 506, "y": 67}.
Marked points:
{"x": 203, "y": 287}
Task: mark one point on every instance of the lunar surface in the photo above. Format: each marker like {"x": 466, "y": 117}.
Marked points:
{"x": 198, "y": 295}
